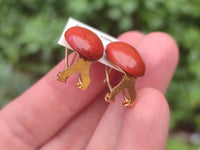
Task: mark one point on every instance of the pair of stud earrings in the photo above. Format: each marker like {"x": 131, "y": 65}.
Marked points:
{"x": 90, "y": 48}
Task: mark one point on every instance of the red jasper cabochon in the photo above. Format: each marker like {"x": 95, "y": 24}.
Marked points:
{"x": 85, "y": 42}
{"x": 126, "y": 57}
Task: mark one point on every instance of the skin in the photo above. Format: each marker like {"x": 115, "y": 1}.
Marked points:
{"x": 51, "y": 115}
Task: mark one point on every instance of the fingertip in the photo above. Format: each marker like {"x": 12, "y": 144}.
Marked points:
{"x": 165, "y": 40}
{"x": 152, "y": 116}
{"x": 163, "y": 45}
{"x": 148, "y": 119}
{"x": 152, "y": 102}
{"x": 159, "y": 52}
{"x": 131, "y": 37}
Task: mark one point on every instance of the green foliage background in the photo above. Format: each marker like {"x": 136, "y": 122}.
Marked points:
{"x": 29, "y": 30}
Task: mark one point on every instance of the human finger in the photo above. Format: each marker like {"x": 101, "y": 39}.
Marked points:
{"x": 77, "y": 133}
{"x": 47, "y": 106}
{"x": 146, "y": 125}
{"x": 160, "y": 54}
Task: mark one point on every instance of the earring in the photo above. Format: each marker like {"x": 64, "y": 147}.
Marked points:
{"x": 89, "y": 48}
{"x": 127, "y": 60}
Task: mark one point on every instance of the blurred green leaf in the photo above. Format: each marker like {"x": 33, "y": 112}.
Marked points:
{"x": 126, "y": 23}
{"x": 112, "y": 3}
{"x": 129, "y": 6}
{"x": 174, "y": 144}
{"x": 114, "y": 13}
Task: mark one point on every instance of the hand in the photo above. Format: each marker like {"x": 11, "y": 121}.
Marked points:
{"x": 56, "y": 116}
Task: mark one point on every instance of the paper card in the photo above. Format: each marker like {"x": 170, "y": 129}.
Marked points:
{"x": 105, "y": 38}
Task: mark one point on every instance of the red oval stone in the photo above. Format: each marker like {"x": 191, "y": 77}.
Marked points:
{"x": 126, "y": 57}
{"x": 85, "y": 42}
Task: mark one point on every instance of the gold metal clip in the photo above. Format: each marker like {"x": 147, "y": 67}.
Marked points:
{"x": 127, "y": 83}
{"x": 82, "y": 66}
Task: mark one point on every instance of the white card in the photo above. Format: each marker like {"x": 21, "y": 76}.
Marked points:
{"x": 105, "y": 38}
